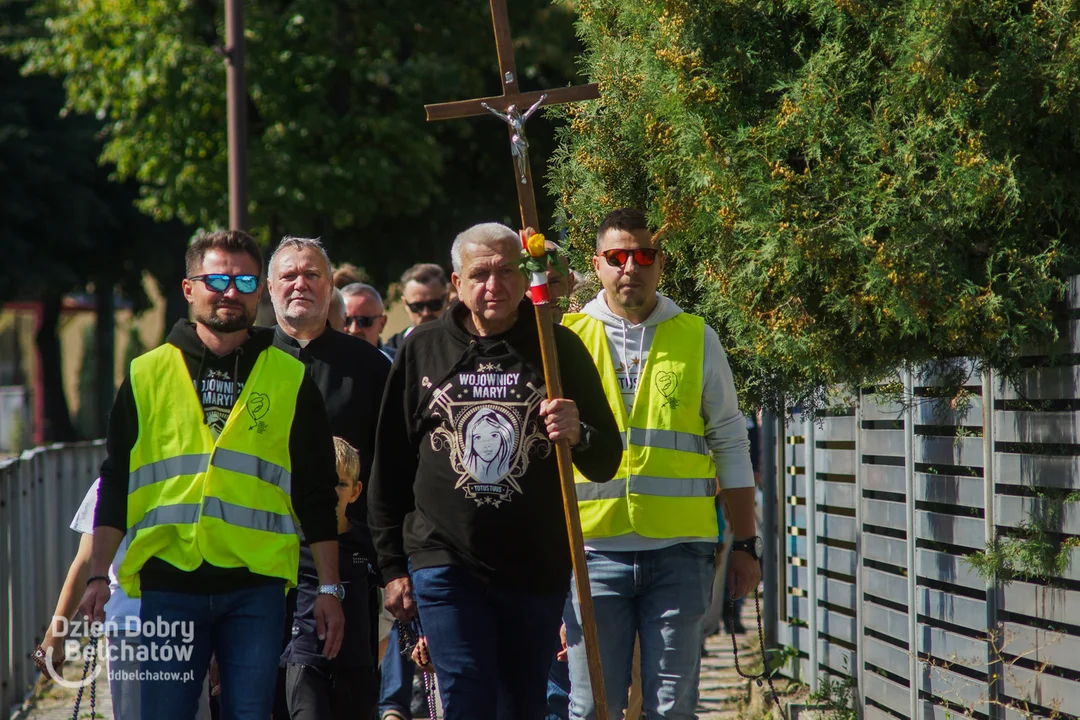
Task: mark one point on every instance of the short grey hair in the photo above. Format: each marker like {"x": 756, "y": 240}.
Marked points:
{"x": 358, "y": 288}
{"x": 487, "y": 234}
{"x": 300, "y": 243}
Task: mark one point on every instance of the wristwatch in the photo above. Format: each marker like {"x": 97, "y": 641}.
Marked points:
{"x": 585, "y": 439}
{"x": 753, "y": 545}
{"x": 337, "y": 591}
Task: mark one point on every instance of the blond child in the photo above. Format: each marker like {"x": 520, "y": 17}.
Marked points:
{"x": 347, "y": 686}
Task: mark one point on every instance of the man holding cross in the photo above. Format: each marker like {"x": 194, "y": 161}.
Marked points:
{"x": 651, "y": 533}
{"x": 465, "y": 501}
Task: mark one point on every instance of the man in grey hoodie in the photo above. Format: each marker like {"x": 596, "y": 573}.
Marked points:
{"x": 650, "y": 533}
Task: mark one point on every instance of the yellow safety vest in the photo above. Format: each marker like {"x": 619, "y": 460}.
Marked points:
{"x": 666, "y": 483}
{"x": 191, "y": 499}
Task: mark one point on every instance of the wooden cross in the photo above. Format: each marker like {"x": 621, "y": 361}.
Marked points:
{"x": 512, "y": 96}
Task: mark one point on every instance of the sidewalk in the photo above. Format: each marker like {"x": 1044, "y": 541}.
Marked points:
{"x": 56, "y": 703}
{"x": 722, "y": 690}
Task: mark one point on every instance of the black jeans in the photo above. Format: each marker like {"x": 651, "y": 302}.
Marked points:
{"x": 323, "y": 693}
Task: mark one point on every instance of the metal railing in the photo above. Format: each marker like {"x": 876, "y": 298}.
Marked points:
{"x": 39, "y": 493}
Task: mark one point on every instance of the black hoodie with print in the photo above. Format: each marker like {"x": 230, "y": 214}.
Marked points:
{"x": 464, "y": 473}
{"x": 219, "y": 381}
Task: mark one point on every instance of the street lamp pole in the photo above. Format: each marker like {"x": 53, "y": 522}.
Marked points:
{"x": 236, "y": 102}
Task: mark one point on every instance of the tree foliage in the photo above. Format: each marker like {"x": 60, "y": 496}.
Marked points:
{"x": 845, "y": 186}
{"x": 339, "y": 146}
{"x": 64, "y": 223}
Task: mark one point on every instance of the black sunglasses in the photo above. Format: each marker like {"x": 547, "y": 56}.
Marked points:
{"x": 642, "y": 256}
{"x": 432, "y": 305}
{"x": 245, "y": 284}
{"x": 364, "y": 321}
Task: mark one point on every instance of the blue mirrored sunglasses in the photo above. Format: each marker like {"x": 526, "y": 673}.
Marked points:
{"x": 245, "y": 284}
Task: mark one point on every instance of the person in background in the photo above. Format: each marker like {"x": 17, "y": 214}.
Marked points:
{"x": 335, "y": 314}
{"x": 343, "y": 688}
{"x": 365, "y": 314}
{"x": 424, "y": 292}
{"x": 561, "y": 282}
{"x": 561, "y": 279}
{"x": 347, "y": 274}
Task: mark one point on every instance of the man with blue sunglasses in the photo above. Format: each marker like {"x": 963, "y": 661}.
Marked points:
{"x": 218, "y": 442}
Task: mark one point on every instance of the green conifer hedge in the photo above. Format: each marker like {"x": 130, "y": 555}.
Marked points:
{"x": 847, "y": 186}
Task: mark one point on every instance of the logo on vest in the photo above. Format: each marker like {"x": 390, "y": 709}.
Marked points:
{"x": 667, "y": 383}
{"x": 258, "y": 405}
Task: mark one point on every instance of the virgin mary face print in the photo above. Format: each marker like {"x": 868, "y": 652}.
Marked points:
{"x": 489, "y": 443}
{"x": 489, "y": 446}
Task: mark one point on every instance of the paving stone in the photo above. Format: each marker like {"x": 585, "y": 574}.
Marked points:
{"x": 721, "y": 687}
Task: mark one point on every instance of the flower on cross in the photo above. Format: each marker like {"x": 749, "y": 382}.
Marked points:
{"x": 535, "y": 259}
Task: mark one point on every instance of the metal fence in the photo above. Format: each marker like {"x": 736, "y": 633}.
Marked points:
{"x": 39, "y": 494}
{"x": 876, "y": 582}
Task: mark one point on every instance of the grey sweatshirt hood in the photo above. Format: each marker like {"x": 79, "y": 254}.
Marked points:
{"x": 630, "y": 343}
{"x": 598, "y": 308}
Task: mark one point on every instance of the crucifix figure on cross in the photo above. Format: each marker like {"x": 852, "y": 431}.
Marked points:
{"x": 513, "y": 97}
{"x": 506, "y": 107}
{"x": 519, "y": 145}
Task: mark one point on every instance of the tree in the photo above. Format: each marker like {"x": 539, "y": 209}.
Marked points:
{"x": 845, "y": 186}
{"x": 63, "y": 223}
{"x": 339, "y": 146}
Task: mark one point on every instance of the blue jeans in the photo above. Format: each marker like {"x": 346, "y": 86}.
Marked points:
{"x": 660, "y": 595}
{"x": 558, "y": 692}
{"x": 242, "y": 629}
{"x": 395, "y": 686}
{"x": 489, "y": 646}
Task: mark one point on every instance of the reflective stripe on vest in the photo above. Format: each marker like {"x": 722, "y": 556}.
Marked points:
{"x": 171, "y": 467}
{"x": 645, "y": 485}
{"x": 188, "y": 514}
{"x": 247, "y": 518}
{"x": 194, "y": 499}
{"x": 184, "y": 514}
{"x": 667, "y": 440}
{"x": 253, "y": 465}
{"x": 666, "y": 481}
{"x": 226, "y": 459}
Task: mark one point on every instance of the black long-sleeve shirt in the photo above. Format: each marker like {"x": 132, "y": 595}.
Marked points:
{"x": 219, "y": 381}
{"x": 464, "y": 472}
{"x": 350, "y": 374}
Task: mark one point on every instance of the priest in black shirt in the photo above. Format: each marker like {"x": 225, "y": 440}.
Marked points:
{"x": 349, "y": 372}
